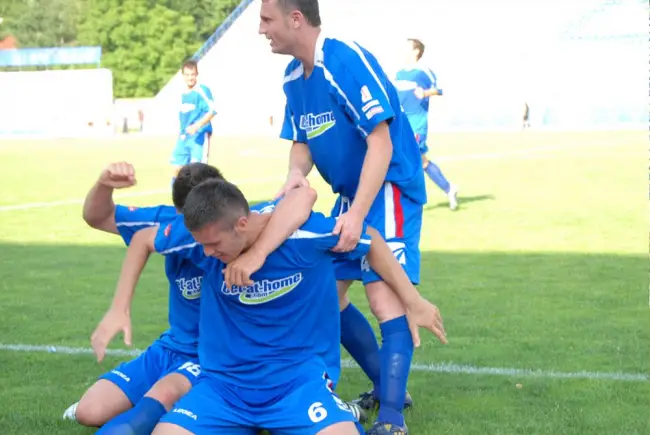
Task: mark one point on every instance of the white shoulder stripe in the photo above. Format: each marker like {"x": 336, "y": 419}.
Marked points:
{"x": 178, "y": 248}
{"x": 294, "y": 75}
{"x": 208, "y": 101}
{"x": 136, "y": 224}
{"x": 354, "y": 46}
{"x": 304, "y": 234}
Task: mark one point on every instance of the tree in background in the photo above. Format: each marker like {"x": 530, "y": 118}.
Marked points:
{"x": 143, "y": 41}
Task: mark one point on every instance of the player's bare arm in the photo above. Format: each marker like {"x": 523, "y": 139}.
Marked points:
{"x": 292, "y": 211}
{"x": 192, "y": 129}
{"x": 373, "y": 175}
{"x": 118, "y": 317}
{"x": 300, "y": 165}
{"x": 99, "y": 208}
{"x": 421, "y": 312}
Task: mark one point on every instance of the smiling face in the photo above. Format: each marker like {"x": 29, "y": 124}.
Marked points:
{"x": 280, "y": 26}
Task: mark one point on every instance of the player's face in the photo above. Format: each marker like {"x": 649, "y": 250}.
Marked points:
{"x": 277, "y": 26}
{"x": 223, "y": 242}
{"x": 189, "y": 76}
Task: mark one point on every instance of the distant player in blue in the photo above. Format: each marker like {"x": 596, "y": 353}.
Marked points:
{"x": 138, "y": 392}
{"x": 416, "y": 84}
{"x": 344, "y": 116}
{"x": 196, "y": 111}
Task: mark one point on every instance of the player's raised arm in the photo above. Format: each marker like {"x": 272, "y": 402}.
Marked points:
{"x": 420, "y": 311}
{"x": 292, "y": 211}
{"x": 118, "y": 317}
{"x": 99, "y": 208}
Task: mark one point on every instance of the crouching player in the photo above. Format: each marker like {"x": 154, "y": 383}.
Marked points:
{"x": 261, "y": 344}
{"x": 137, "y": 393}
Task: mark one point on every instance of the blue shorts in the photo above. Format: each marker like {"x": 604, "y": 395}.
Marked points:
{"x": 214, "y": 407}
{"x": 422, "y": 142}
{"x": 136, "y": 377}
{"x": 189, "y": 149}
{"x": 399, "y": 220}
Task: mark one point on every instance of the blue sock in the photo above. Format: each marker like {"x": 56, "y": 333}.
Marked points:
{"x": 434, "y": 172}
{"x": 139, "y": 420}
{"x": 360, "y": 427}
{"x": 358, "y": 338}
{"x": 396, "y": 354}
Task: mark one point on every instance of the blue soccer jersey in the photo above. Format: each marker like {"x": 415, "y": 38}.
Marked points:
{"x": 272, "y": 334}
{"x": 335, "y": 109}
{"x": 416, "y": 109}
{"x": 195, "y": 104}
{"x": 183, "y": 276}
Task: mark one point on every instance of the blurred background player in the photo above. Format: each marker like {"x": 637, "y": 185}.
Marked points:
{"x": 196, "y": 113}
{"x": 416, "y": 84}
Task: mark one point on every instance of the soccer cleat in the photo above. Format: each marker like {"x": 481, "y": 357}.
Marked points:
{"x": 452, "y": 196}
{"x": 358, "y": 412}
{"x": 70, "y": 413}
{"x": 368, "y": 400}
{"x": 380, "y": 428}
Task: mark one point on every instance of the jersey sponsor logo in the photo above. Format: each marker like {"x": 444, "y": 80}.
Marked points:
{"x": 315, "y": 125}
{"x": 187, "y": 107}
{"x": 263, "y": 291}
{"x": 190, "y": 288}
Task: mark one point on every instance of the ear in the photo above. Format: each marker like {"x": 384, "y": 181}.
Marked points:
{"x": 241, "y": 223}
{"x": 296, "y": 18}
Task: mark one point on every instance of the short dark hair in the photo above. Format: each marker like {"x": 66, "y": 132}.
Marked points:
{"x": 417, "y": 45}
{"x": 189, "y": 176}
{"x": 308, "y": 8}
{"x": 214, "y": 201}
{"x": 190, "y": 64}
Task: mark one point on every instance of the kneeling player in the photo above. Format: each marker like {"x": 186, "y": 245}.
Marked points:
{"x": 155, "y": 380}
{"x": 261, "y": 344}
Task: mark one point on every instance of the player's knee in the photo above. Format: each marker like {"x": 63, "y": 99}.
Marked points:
{"x": 384, "y": 303}
{"x": 91, "y": 413}
{"x": 170, "y": 389}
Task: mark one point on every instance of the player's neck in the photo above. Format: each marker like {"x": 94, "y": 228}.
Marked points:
{"x": 256, "y": 224}
{"x": 306, "y": 49}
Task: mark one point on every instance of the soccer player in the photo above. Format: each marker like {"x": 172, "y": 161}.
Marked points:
{"x": 416, "y": 84}
{"x": 344, "y": 116}
{"x": 196, "y": 112}
{"x": 261, "y": 343}
{"x": 155, "y": 380}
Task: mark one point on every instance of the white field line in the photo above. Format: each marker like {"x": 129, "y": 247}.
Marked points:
{"x": 123, "y": 195}
{"x": 418, "y": 367}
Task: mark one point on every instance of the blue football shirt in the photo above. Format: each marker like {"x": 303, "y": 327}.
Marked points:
{"x": 335, "y": 109}
{"x": 285, "y": 325}
{"x": 195, "y": 104}
{"x": 417, "y": 110}
{"x": 184, "y": 277}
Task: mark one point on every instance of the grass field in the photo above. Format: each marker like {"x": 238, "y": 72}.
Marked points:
{"x": 541, "y": 275}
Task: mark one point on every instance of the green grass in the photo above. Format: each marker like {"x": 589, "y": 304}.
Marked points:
{"x": 544, "y": 267}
